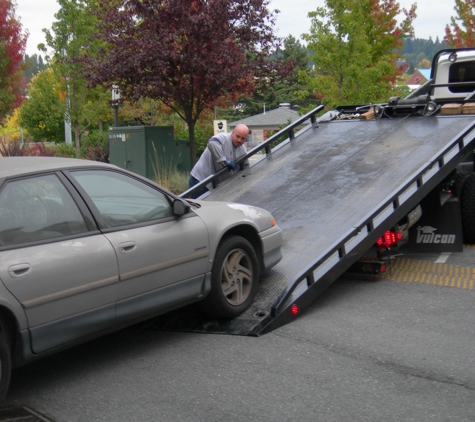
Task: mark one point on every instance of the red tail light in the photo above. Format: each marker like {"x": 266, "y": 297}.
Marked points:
{"x": 294, "y": 309}
{"x": 390, "y": 238}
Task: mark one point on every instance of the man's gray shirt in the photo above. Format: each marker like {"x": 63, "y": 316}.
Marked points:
{"x": 220, "y": 149}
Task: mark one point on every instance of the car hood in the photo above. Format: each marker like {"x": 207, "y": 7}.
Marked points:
{"x": 224, "y": 215}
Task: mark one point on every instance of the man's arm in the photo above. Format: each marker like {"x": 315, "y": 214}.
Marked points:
{"x": 216, "y": 149}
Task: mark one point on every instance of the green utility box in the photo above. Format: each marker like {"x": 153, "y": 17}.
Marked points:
{"x": 144, "y": 149}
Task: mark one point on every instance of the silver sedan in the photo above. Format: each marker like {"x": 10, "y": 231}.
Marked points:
{"x": 87, "y": 248}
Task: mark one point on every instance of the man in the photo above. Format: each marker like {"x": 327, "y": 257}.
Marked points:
{"x": 222, "y": 151}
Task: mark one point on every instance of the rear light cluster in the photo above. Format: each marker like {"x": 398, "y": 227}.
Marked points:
{"x": 389, "y": 238}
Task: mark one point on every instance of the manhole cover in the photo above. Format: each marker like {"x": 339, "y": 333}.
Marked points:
{"x": 21, "y": 414}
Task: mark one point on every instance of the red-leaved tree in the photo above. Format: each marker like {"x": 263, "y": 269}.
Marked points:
{"x": 463, "y": 26}
{"x": 185, "y": 53}
{"x": 12, "y": 49}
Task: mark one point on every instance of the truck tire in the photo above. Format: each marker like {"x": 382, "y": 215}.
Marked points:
{"x": 234, "y": 279}
{"x": 5, "y": 368}
{"x": 466, "y": 192}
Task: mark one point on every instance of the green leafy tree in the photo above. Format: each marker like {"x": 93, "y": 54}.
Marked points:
{"x": 185, "y": 53}
{"x": 33, "y": 65}
{"x": 284, "y": 89}
{"x": 355, "y": 45}
{"x": 42, "y": 114}
{"x": 463, "y": 25}
{"x": 424, "y": 64}
{"x": 12, "y": 48}
{"x": 288, "y": 88}
{"x": 10, "y": 130}
{"x": 417, "y": 49}
{"x": 144, "y": 112}
{"x": 71, "y": 38}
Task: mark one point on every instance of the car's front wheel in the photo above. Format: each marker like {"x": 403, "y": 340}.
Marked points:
{"x": 234, "y": 279}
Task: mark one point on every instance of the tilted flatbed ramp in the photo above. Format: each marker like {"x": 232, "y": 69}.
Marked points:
{"x": 334, "y": 189}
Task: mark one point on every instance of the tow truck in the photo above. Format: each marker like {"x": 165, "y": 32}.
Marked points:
{"x": 352, "y": 176}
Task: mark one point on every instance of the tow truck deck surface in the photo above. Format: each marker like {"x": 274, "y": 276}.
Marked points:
{"x": 333, "y": 189}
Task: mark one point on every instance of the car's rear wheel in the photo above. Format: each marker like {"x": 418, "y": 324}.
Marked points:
{"x": 5, "y": 367}
{"x": 234, "y": 279}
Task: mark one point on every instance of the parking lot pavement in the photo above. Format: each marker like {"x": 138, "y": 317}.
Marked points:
{"x": 396, "y": 349}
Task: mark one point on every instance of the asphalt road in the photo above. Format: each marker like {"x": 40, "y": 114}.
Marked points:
{"x": 397, "y": 349}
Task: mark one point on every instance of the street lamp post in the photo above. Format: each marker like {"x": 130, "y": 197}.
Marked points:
{"x": 116, "y": 103}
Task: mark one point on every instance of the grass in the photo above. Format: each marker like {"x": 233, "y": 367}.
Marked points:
{"x": 167, "y": 173}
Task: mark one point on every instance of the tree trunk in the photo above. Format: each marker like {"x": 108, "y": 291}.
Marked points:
{"x": 76, "y": 137}
{"x": 191, "y": 139}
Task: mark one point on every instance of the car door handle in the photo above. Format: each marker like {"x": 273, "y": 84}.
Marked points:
{"x": 19, "y": 270}
{"x": 127, "y": 247}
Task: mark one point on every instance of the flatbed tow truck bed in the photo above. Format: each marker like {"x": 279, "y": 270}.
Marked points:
{"x": 334, "y": 188}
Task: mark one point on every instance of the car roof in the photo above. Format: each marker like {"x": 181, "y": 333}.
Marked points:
{"x": 17, "y": 166}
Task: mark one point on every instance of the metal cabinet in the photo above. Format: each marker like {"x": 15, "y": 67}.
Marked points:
{"x": 143, "y": 149}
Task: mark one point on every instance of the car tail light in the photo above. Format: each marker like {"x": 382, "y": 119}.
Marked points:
{"x": 389, "y": 238}
{"x": 294, "y": 310}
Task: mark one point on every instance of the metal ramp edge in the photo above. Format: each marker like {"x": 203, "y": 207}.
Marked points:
{"x": 306, "y": 286}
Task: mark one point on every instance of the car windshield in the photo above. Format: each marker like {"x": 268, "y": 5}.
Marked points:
{"x": 121, "y": 199}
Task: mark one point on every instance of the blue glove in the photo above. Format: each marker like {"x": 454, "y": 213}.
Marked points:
{"x": 230, "y": 165}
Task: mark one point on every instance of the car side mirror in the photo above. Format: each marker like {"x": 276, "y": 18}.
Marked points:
{"x": 180, "y": 207}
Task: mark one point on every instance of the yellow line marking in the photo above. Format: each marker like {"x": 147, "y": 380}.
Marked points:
{"x": 445, "y": 275}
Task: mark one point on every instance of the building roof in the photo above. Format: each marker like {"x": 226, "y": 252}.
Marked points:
{"x": 425, "y": 73}
{"x": 419, "y": 77}
{"x": 271, "y": 119}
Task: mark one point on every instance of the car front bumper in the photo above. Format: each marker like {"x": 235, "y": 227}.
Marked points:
{"x": 271, "y": 244}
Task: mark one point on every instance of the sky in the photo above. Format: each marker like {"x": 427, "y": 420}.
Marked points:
{"x": 432, "y": 17}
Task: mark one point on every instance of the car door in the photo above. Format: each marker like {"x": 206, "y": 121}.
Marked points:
{"x": 162, "y": 258}
{"x": 61, "y": 270}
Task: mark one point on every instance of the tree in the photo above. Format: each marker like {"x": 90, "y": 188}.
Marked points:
{"x": 417, "y": 49}
{"x": 289, "y": 89}
{"x": 185, "y": 53}
{"x": 285, "y": 89}
{"x": 462, "y": 35}
{"x": 10, "y": 131}
{"x": 71, "y": 39}
{"x": 12, "y": 48}
{"x": 42, "y": 114}
{"x": 424, "y": 64}
{"x": 355, "y": 46}
{"x": 33, "y": 65}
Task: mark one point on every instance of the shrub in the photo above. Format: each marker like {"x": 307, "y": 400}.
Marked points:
{"x": 95, "y": 146}
{"x": 65, "y": 150}
{"x": 12, "y": 149}
{"x": 203, "y": 131}
{"x": 24, "y": 149}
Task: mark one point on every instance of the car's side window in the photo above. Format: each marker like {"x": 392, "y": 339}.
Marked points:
{"x": 37, "y": 208}
{"x": 121, "y": 199}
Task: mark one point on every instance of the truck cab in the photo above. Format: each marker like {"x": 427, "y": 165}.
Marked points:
{"x": 452, "y": 77}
